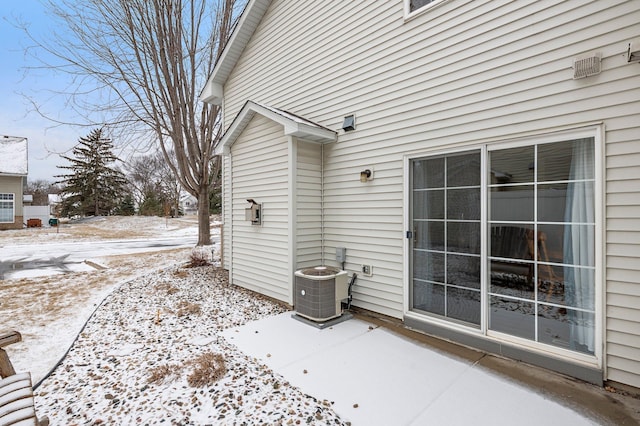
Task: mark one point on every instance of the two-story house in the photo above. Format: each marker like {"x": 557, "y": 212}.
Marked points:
{"x": 480, "y": 158}
{"x": 13, "y": 174}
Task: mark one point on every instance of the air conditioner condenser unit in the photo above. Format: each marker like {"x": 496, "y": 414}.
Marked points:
{"x": 319, "y": 292}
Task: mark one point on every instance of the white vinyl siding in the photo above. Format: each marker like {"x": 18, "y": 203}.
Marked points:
{"x": 260, "y": 172}
{"x": 226, "y": 211}
{"x": 623, "y": 253}
{"x": 308, "y": 199}
{"x": 466, "y": 72}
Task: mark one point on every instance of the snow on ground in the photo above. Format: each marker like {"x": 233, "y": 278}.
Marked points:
{"x": 136, "y": 361}
{"x": 104, "y": 228}
{"x": 153, "y": 319}
{"x": 162, "y": 345}
{"x": 49, "y": 310}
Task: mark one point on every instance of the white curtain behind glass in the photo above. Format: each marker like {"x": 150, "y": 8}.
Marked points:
{"x": 579, "y": 247}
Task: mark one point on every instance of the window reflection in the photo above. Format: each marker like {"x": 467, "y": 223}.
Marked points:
{"x": 567, "y": 328}
{"x": 463, "y": 304}
{"x": 512, "y": 203}
{"x": 446, "y": 242}
{"x": 514, "y": 317}
{"x": 542, "y": 243}
{"x": 428, "y": 173}
{"x": 428, "y": 204}
{"x": 463, "y": 237}
{"x": 429, "y": 235}
{"x": 428, "y": 297}
{"x": 512, "y": 279}
{"x": 463, "y": 204}
{"x": 512, "y": 166}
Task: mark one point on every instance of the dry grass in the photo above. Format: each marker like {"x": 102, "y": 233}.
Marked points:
{"x": 187, "y": 308}
{"x": 98, "y": 232}
{"x": 100, "y": 228}
{"x": 164, "y": 373}
{"x": 166, "y": 288}
{"x": 31, "y": 302}
{"x": 180, "y": 273}
{"x": 208, "y": 368}
{"x": 42, "y": 297}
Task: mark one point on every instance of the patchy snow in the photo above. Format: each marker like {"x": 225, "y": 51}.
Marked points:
{"x": 50, "y": 308}
{"x": 139, "y": 332}
{"x": 142, "y": 312}
{"x": 160, "y": 324}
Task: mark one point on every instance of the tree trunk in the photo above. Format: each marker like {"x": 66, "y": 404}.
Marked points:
{"x": 204, "y": 229}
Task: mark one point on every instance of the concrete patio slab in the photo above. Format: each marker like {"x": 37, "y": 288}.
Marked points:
{"x": 373, "y": 376}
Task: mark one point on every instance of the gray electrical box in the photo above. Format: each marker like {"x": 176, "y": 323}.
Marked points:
{"x": 341, "y": 254}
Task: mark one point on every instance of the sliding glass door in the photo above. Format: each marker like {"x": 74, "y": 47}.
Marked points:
{"x": 531, "y": 274}
{"x": 446, "y": 237}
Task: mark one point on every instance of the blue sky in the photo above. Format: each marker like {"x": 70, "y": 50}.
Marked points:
{"x": 46, "y": 140}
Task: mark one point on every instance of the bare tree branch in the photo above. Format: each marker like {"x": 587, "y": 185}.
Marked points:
{"x": 138, "y": 66}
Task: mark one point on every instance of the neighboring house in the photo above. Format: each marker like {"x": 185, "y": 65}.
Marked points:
{"x": 13, "y": 175}
{"x": 188, "y": 204}
{"x": 55, "y": 202}
{"x": 483, "y": 157}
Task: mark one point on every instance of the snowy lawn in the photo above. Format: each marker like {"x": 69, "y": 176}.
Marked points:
{"x": 152, "y": 352}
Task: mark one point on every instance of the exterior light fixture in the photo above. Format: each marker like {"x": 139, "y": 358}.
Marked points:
{"x": 633, "y": 52}
{"x": 366, "y": 175}
{"x": 349, "y": 123}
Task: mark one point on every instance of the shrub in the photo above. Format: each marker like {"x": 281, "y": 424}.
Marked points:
{"x": 164, "y": 372}
{"x": 199, "y": 257}
{"x": 208, "y": 368}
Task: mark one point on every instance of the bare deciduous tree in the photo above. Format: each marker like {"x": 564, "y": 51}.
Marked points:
{"x": 151, "y": 174}
{"x": 40, "y": 190}
{"x": 139, "y": 65}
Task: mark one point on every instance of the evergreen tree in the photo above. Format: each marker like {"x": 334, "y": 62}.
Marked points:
{"x": 151, "y": 205}
{"x": 127, "y": 206}
{"x": 93, "y": 187}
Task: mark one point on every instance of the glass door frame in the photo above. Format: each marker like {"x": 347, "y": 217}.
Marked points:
{"x": 594, "y": 131}
{"x": 408, "y": 243}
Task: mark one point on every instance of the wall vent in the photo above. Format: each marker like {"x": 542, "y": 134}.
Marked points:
{"x": 586, "y": 65}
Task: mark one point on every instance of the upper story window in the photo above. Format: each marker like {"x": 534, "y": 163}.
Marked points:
{"x": 412, "y": 6}
{"x": 417, "y": 4}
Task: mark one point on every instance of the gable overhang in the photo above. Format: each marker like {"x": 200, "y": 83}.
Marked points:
{"x": 293, "y": 126}
{"x": 247, "y": 24}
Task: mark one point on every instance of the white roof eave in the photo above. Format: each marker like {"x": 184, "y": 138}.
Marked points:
{"x": 293, "y": 126}
{"x": 212, "y": 92}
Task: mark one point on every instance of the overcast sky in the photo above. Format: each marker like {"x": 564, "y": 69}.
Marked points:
{"x": 17, "y": 118}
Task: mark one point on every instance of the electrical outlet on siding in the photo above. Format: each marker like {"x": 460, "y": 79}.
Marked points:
{"x": 367, "y": 270}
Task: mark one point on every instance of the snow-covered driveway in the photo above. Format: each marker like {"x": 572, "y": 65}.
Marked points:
{"x": 20, "y": 260}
